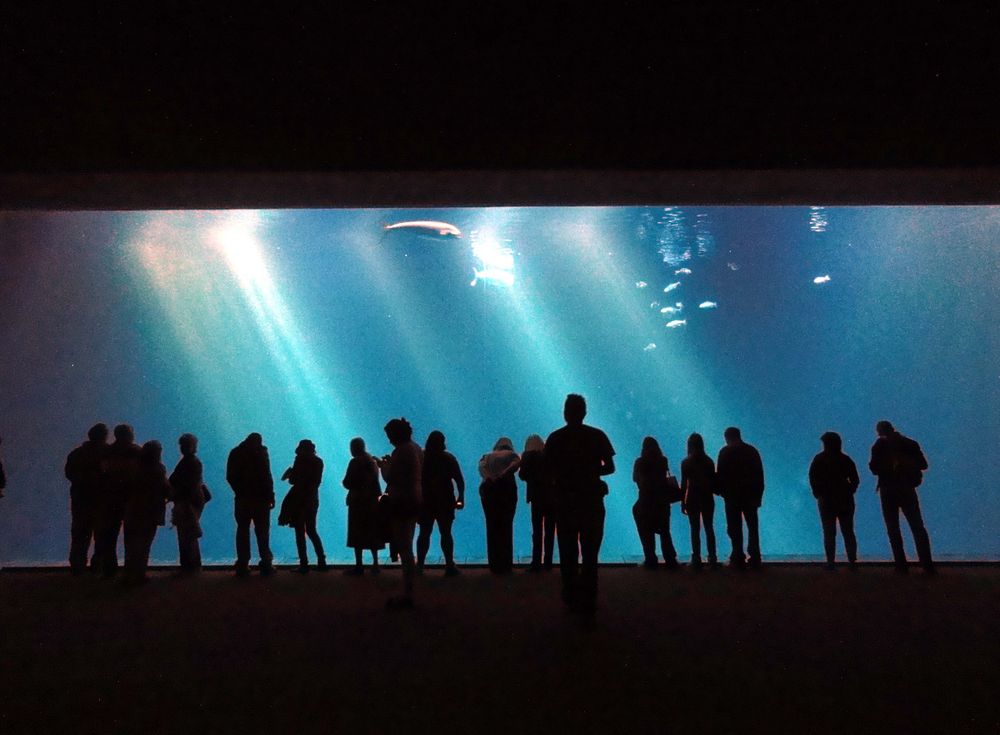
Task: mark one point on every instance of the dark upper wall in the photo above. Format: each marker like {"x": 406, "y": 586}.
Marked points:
{"x": 402, "y": 86}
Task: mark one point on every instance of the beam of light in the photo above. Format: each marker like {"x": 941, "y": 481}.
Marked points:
{"x": 496, "y": 260}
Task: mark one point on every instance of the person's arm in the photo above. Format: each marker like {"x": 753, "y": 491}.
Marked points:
{"x": 231, "y": 471}
{"x": 635, "y": 472}
{"x": 918, "y": 453}
{"x": 608, "y": 460}
{"x": 456, "y": 475}
{"x": 814, "y": 481}
{"x": 268, "y": 477}
{"x": 852, "y": 475}
{"x": 685, "y": 486}
{"x": 759, "y": 473}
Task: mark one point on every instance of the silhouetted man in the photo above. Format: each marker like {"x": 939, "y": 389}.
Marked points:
{"x": 899, "y": 464}
{"x": 740, "y": 476}
{"x": 577, "y": 456}
{"x": 834, "y": 479}
{"x": 248, "y": 472}
{"x": 121, "y": 472}
{"x": 85, "y": 472}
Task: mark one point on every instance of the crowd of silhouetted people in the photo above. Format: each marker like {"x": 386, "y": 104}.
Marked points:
{"x": 123, "y": 489}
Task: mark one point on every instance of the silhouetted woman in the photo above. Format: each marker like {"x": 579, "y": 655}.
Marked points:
{"x": 539, "y": 495}
{"x": 652, "y": 509}
{"x": 145, "y": 509}
{"x": 498, "y": 492}
{"x": 402, "y": 472}
{"x": 442, "y": 476}
{"x": 301, "y": 505}
{"x": 187, "y": 490}
{"x": 698, "y": 486}
{"x": 363, "y": 491}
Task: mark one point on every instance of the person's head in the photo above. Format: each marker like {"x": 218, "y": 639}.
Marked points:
{"x": 398, "y": 431}
{"x": 575, "y": 409}
{"x": 651, "y": 448}
{"x": 503, "y": 443}
{"x": 254, "y": 440}
{"x": 305, "y": 448}
{"x": 188, "y": 444}
{"x": 885, "y": 428}
{"x": 696, "y": 445}
{"x": 151, "y": 452}
{"x": 124, "y": 434}
{"x": 358, "y": 447}
{"x": 831, "y": 441}
{"x": 732, "y": 436}
{"x": 98, "y": 433}
{"x": 534, "y": 443}
{"x": 435, "y": 442}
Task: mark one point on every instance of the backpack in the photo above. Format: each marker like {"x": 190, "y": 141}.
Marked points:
{"x": 907, "y": 462}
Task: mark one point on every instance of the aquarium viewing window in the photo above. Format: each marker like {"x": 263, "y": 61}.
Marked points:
{"x": 787, "y": 320}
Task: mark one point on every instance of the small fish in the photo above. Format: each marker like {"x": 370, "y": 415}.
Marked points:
{"x": 733, "y": 266}
{"x": 654, "y": 304}
{"x": 641, "y": 284}
{"x": 675, "y": 323}
{"x": 671, "y": 286}
{"x": 442, "y": 228}
{"x": 650, "y": 347}
{"x": 708, "y": 305}
{"x": 669, "y": 310}
{"x": 679, "y": 305}
{"x": 821, "y": 279}
{"x": 682, "y": 272}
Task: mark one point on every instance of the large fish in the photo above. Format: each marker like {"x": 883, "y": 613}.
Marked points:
{"x": 442, "y": 228}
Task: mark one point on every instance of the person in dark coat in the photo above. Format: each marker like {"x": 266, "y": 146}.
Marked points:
{"x": 85, "y": 471}
{"x": 899, "y": 463}
{"x": 248, "y": 472}
{"x": 698, "y": 485}
{"x": 403, "y": 473}
{"x": 121, "y": 468}
{"x": 577, "y": 456}
{"x": 833, "y": 477}
{"x": 741, "y": 483}
{"x": 498, "y": 492}
{"x": 442, "y": 477}
{"x": 301, "y": 505}
{"x": 363, "y": 492}
{"x": 539, "y": 495}
{"x": 188, "y": 494}
{"x": 651, "y": 510}
{"x": 145, "y": 509}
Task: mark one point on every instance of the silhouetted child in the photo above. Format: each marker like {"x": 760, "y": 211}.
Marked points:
{"x": 698, "y": 483}
{"x": 363, "y": 491}
{"x": 442, "y": 476}
{"x": 651, "y": 510}
{"x": 834, "y": 479}
{"x": 301, "y": 505}
{"x": 498, "y": 492}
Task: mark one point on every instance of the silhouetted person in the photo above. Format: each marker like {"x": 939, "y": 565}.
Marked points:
{"x": 301, "y": 505}
{"x": 188, "y": 493}
{"x": 363, "y": 492}
{"x": 651, "y": 510}
{"x": 121, "y": 468}
{"x": 442, "y": 476}
{"x": 144, "y": 511}
{"x": 698, "y": 483}
{"x": 3, "y": 474}
{"x": 85, "y": 472}
{"x": 833, "y": 477}
{"x": 248, "y": 472}
{"x": 577, "y": 456}
{"x": 402, "y": 472}
{"x": 540, "y": 496}
{"x": 740, "y": 478}
{"x": 498, "y": 492}
{"x": 899, "y": 464}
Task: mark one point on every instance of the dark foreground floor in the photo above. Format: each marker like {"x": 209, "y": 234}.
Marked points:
{"x": 784, "y": 650}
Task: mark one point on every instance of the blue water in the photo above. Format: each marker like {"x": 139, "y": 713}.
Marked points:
{"x": 322, "y": 325}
